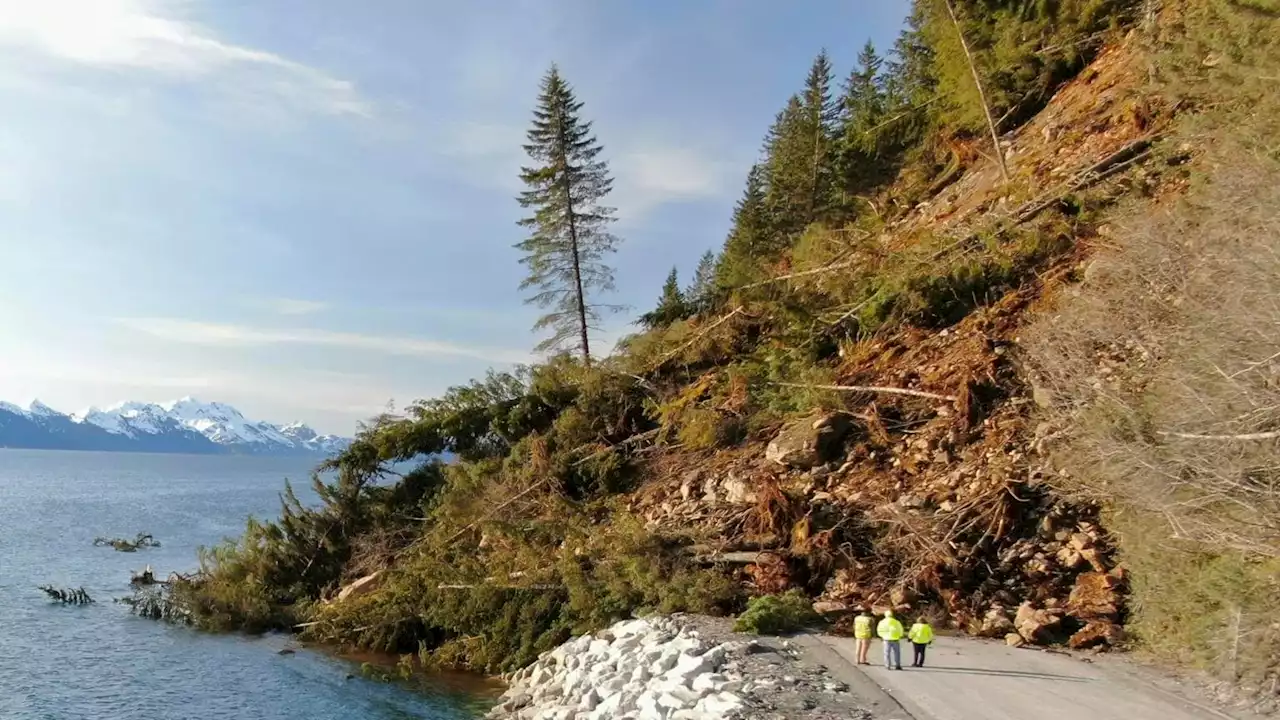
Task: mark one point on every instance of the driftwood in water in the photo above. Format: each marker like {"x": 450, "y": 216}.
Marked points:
{"x": 68, "y": 596}
{"x": 123, "y": 545}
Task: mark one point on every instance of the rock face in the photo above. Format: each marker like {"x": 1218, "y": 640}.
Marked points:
{"x": 810, "y": 442}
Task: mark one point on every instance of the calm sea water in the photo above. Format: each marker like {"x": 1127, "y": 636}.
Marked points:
{"x": 98, "y": 662}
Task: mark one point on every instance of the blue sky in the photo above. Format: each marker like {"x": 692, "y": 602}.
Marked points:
{"x": 306, "y": 208}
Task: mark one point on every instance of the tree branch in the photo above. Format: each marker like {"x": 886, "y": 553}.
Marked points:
{"x": 871, "y": 389}
{"x": 982, "y": 93}
{"x": 697, "y": 337}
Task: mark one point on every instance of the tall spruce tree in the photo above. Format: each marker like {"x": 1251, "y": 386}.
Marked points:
{"x": 701, "y": 293}
{"x": 862, "y": 109}
{"x": 750, "y": 237}
{"x": 565, "y": 252}
{"x": 798, "y": 155}
{"x": 821, "y": 114}
{"x": 672, "y": 305}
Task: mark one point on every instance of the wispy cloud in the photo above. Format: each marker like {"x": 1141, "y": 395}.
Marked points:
{"x": 148, "y": 35}
{"x": 195, "y": 332}
{"x": 293, "y": 306}
{"x": 652, "y": 174}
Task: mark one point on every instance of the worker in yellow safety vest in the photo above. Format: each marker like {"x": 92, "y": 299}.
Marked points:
{"x": 920, "y": 635}
{"x": 862, "y": 633}
{"x": 890, "y": 631}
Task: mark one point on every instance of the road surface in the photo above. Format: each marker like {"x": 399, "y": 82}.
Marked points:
{"x": 967, "y": 679}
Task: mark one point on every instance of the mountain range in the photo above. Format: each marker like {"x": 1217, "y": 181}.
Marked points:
{"x": 181, "y": 426}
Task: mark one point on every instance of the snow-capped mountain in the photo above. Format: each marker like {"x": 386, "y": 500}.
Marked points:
{"x": 186, "y": 425}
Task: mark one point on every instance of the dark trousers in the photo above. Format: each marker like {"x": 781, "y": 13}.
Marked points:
{"x": 919, "y": 648}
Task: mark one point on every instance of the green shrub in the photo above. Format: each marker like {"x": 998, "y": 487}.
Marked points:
{"x": 777, "y": 614}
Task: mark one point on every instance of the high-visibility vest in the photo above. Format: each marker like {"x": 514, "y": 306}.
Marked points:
{"x": 921, "y": 634}
{"x": 862, "y": 627}
{"x": 890, "y": 629}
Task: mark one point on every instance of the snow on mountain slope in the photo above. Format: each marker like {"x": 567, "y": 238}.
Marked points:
{"x": 224, "y": 424}
{"x": 220, "y": 423}
{"x": 11, "y": 408}
{"x": 39, "y": 409}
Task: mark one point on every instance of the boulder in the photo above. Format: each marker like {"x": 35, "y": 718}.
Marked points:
{"x": 810, "y": 442}
{"x": 1036, "y": 625}
{"x": 1095, "y": 634}
{"x": 363, "y": 586}
{"x": 737, "y": 491}
{"x": 996, "y": 623}
{"x": 829, "y": 607}
{"x": 1094, "y": 597}
{"x": 1014, "y": 640}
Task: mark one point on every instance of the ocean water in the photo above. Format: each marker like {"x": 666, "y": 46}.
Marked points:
{"x": 98, "y": 662}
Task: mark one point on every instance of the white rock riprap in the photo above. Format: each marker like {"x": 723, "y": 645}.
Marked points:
{"x": 651, "y": 669}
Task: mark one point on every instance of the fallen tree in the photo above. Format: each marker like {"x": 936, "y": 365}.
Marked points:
{"x": 123, "y": 545}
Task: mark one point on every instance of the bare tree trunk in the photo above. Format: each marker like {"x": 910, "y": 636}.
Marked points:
{"x": 577, "y": 279}
{"x": 982, "y": 94}
{"x": 573, "y": 247}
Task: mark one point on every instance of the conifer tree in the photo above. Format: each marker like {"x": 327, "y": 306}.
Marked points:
{"x": 798, "y": 156}
{"x": 749, "y": 236}
{"x": 786, "y": 176}
{"x": 862, "y": 109}
{"x": 671, "y": 305}
{"x": 570, "y": 238}
{"x": 701, "y": 293}
{"x": 821, "y": 114}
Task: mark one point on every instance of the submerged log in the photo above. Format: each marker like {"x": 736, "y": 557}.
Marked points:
{"x": 68, "y": 596}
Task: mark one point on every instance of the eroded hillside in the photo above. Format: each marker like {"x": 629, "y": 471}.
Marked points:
{"x": 855, "y": 404}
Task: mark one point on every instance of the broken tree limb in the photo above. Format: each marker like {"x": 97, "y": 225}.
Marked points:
{"x": 904, "y": 113}
{"x": 623, "y": 443}
{"x": 723, "y": 319}
{"x": 1273, "y": 435}
{"x": 851, "y": 311}
{"x": 472, "y": 586}
{"x": 496, "y": 510}
{"x": 1117, "y": 161}
{"x": 743, "y": 557}
{"x": 803, "y": 273}
{"x": 871, "y": 389}
{"x": 982, "y": 93}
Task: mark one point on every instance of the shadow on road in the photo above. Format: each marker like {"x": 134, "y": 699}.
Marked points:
{"x": 1002, "y": 673}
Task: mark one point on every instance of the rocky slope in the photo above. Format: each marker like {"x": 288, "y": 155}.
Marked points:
{"x": 933, "y": 489}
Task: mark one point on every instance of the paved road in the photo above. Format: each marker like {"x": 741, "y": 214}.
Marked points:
{"x": 967, "y": 679}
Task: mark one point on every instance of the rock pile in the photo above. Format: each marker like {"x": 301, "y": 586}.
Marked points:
{"x": 643, "y": 669}
{"x": 916, "y": 501}
{"x": 666, "y": 669}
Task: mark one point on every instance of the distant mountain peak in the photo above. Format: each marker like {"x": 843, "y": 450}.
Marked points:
{"x": 38, "y": 408}
{"x": 187, "y": 424}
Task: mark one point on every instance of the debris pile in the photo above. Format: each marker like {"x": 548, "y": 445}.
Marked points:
{"x": 665, "y": 668}
{"x": 912, "y": 501}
